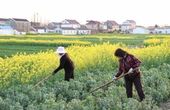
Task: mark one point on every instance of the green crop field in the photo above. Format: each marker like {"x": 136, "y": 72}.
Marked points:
{"x": 26, "y": 60}
{"x": 9, "y": 48}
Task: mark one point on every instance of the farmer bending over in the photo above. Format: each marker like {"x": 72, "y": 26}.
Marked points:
{"x": 66, "y": 63}
{"x": 128, "y": 62}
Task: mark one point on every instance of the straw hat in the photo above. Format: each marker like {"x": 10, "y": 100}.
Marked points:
{"x": 60, "y": 50}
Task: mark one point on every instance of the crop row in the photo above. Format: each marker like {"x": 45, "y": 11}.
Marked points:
{"x": 156, "y": 41}
{"x": 24, "y": 68}
{"x": 34, "y": 42}
{"x": 62, "y": 95}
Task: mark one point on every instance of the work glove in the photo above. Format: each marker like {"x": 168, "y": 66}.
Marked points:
{"x": 130, "y": 70}
{"x": 114, "y": 79}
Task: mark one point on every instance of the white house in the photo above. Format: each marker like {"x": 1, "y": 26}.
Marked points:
{"x": 19, "y": 32}
{"x": 40, "y": 29}
{"x": 151, "y": 29}
{"x": 104, "y": 27}
{"x": 66, "y": 31}
{"x": 125, "y": 27}
{"x": 83, "y": 31}
{"x": 32, "y": 30}
{"x": 51, "y": 29}
{"x": 140, "y": 30}
{"x": 164, "y": 31}
{"x": 4, "y": 22}
{"x": 70, "y": 23}
{"x": 128, "y": 25}
{"x": 167, "y": 27}
{"x": 57, "y": 24}
{"x": 6, "y": 30}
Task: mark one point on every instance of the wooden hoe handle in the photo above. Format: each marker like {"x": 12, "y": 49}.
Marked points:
{"x": 42, "y": 80}
{"x": 110, "y": 82}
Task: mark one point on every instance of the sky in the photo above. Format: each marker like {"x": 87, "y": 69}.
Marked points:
{"x": 143, "y": 12}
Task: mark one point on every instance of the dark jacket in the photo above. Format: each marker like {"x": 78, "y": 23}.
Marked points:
{"x": 130, "y": 61}
{"x": 66, "y": 63}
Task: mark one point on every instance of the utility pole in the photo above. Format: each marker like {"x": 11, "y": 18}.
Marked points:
{"x": 37, "y": 17}
{"x": 40, "y": 21}
{"x": 34, "y": 20}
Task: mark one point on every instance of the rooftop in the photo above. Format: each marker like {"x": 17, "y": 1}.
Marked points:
{"x": 17, "y": 19}
{"x": 5, "y": 27}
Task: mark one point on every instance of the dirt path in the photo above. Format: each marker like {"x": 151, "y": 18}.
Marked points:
{"x": 165, "y": 105}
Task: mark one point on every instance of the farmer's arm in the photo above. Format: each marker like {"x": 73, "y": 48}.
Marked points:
{"x": 61, "y": 66}
{"x": 137, "y": 62}
{"x": 120, "y": 70}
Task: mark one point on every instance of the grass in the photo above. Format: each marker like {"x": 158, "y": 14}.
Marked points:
{"x": 9, "y": 50}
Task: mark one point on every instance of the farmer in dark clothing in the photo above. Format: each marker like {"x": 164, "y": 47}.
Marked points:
{"x": 66, "y": 63}
{"x": 127, "y": 64}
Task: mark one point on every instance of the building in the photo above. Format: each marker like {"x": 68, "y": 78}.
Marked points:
{"x": 19, "y": 32}
{"x": 40, "y": 29}
{"x": 151, "y": 29}
{"x": 163, "y": 31}
{"x": 6, "y": 30}
{"x": 51, "y": 29}
{"x": 128, "y": 26}
{"x": 32, "y": 30}
{"x": 112, "y": 25}
{"x": 83, "y": 31}
{"x": 4, "y": 22}
{"x": 57, "y": 24}
{"x": 34, "y": 24}
{"x": 94, "y": 31}
{"x": 66, "y": 30}
{"x": 67, "y": 23}
{"x": 103, "y": 27}
{"x": 167, "y": 27}
{"x": 140, "y": 30}
{"x": 24, "y": 24}
{"x": 93, "y": 25}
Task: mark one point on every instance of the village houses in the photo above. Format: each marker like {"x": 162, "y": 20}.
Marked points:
{"x": 68, "y": 27}
{"x": 18, "y": 26}
{"x": 14, "y": 26}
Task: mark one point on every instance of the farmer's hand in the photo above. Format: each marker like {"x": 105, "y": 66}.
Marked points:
{"x": 53, "y": 73}
{"x": 130, "y": 70}
{"x": 114, "y": 79}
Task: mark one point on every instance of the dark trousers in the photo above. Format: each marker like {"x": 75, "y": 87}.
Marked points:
{"x": 69, "y": 74}
{"x": 136, "y": 80}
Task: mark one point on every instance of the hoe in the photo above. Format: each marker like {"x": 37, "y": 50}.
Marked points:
{"x": 109, "y": 82}
{"x": 42, "y": 80}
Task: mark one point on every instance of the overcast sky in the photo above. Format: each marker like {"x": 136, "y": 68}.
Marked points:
{"x": 144, "y": 12}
